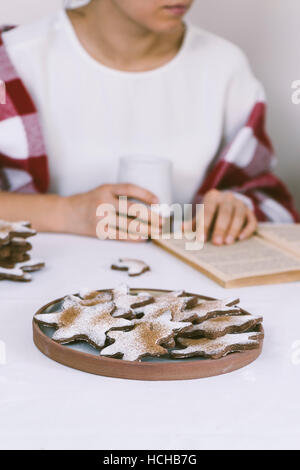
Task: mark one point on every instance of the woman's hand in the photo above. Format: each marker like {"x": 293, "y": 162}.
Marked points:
{"x": 227, "y": 218}
{"x": 80, "y": 210}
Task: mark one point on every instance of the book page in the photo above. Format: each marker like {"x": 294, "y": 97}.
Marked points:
{"x": 286, "y": 236}
{"x": 253, "y": 257}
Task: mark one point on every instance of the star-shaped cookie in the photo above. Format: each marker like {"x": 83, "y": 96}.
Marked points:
{"x": 174, "y": 302}
{"x": 221, "y": 326}
{"x": 10, "y": 230}
{"x": 88, "y": 323}
{"x": 126, "y": 302}
{"x": 89, "y": 298}
{"x": 217, "y": 348}
{"x": 145, "y": 339}
{"x": 21, "y": 270}
{"x": 14, "y": 248}
{"x": 206, "y": 309}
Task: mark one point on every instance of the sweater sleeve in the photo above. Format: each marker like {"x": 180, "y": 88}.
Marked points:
{"x": 245, "y": 162}
{"x": 23, "y": 160}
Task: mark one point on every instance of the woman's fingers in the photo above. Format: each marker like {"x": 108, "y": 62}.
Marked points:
{"x": 237, "y": 223}
{"x": 135, "y": 228}
{"x": 119, "y": 235}
{"x": 223, "y": 219}
{"x": 143, "y": 213}
{"x": 135, "y": 192}
{"x": 250, "y": 227}
{"x": 227, "y": 218}
{"x": 189, "y": 225}
{"x": 211, "y": 203}
{"x": 132, "y": 228}
{"x": 112, "y": 231}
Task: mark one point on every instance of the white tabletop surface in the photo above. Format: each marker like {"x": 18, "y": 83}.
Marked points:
{"x": 45, "y": 405}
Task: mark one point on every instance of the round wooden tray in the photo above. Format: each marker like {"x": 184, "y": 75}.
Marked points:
{"x": 156, "y": 369}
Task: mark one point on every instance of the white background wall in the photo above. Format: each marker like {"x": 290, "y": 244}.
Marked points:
{"x": 269, "y": 32}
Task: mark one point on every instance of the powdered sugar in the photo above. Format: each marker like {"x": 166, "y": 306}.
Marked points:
{"x": 207, "y": 309}
{"x": 14, "y": 274}
{"x": 134, "y": 267}
{"x": 125, "y": 302}
{"x": 21, "y": 270}
{"x": 142, "y": 341}
{"x": 92, "y": 297}
{"x": 219, "y": 326}
{"x": 89, "y": 323}
{"x": 216, "y": 348}
{"x": 91, "y": 317}
{"x": 171, "y": 302}
{"x": 21, "y": 229}
{"x": 15, "y": 261}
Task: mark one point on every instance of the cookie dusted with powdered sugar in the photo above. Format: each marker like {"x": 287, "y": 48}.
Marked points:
{"x": 11, "y": 261}
{"x": 14, "y": 274}
{"x": 15, "y": 247}
{"x": 217, "y": 348}
{"x": 142, "y": 341}
{"x": 9, "y": 230}
{"x": 134, "y": 267}
{"x": 221, "y": 326}
{"x": 126, "y": 302}
{"x": 207, "y": 309}
{"x": 20, "y": 271}
{"x": 145, "y": 339}
{"x": 153, "y": 329}
{"x": 79, "y": 322}
{"x": 174, "y": 302}
{"x": 89, "y": 298}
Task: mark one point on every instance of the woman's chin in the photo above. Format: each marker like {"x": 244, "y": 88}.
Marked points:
{"x": 165, "y": 26}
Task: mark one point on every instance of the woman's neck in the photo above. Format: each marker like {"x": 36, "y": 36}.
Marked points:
{"x": 118, "y": 42}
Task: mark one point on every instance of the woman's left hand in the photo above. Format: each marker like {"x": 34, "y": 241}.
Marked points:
{"x": 227, "y": 218}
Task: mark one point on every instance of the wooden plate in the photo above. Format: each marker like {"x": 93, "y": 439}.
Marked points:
{"x": 148, "y": 369}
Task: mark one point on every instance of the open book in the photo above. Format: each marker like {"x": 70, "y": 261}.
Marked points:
{"x": 272, "y": 256}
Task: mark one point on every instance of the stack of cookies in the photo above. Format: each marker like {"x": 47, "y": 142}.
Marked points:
{"x": 15, "y": 262}
{"x": 175, "y": 325}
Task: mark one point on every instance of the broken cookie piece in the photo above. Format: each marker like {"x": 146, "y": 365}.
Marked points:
{"x": 134, "y": 267}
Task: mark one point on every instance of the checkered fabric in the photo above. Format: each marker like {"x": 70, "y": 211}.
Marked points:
{"x": 245, "y": 168}
{"x": 23, "y": 165}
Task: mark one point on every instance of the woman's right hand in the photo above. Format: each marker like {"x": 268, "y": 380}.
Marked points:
{"x": 80, "y": 210}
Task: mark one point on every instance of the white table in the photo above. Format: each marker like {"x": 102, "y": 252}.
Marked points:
{"x": 45, "y": 405}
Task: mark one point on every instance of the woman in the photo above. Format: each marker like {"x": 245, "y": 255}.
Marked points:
{"x": 130, "y": 77}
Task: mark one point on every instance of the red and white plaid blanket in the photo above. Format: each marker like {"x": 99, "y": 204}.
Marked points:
{"x": 244, "y": 166}
{"x": 26, "y": 171}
